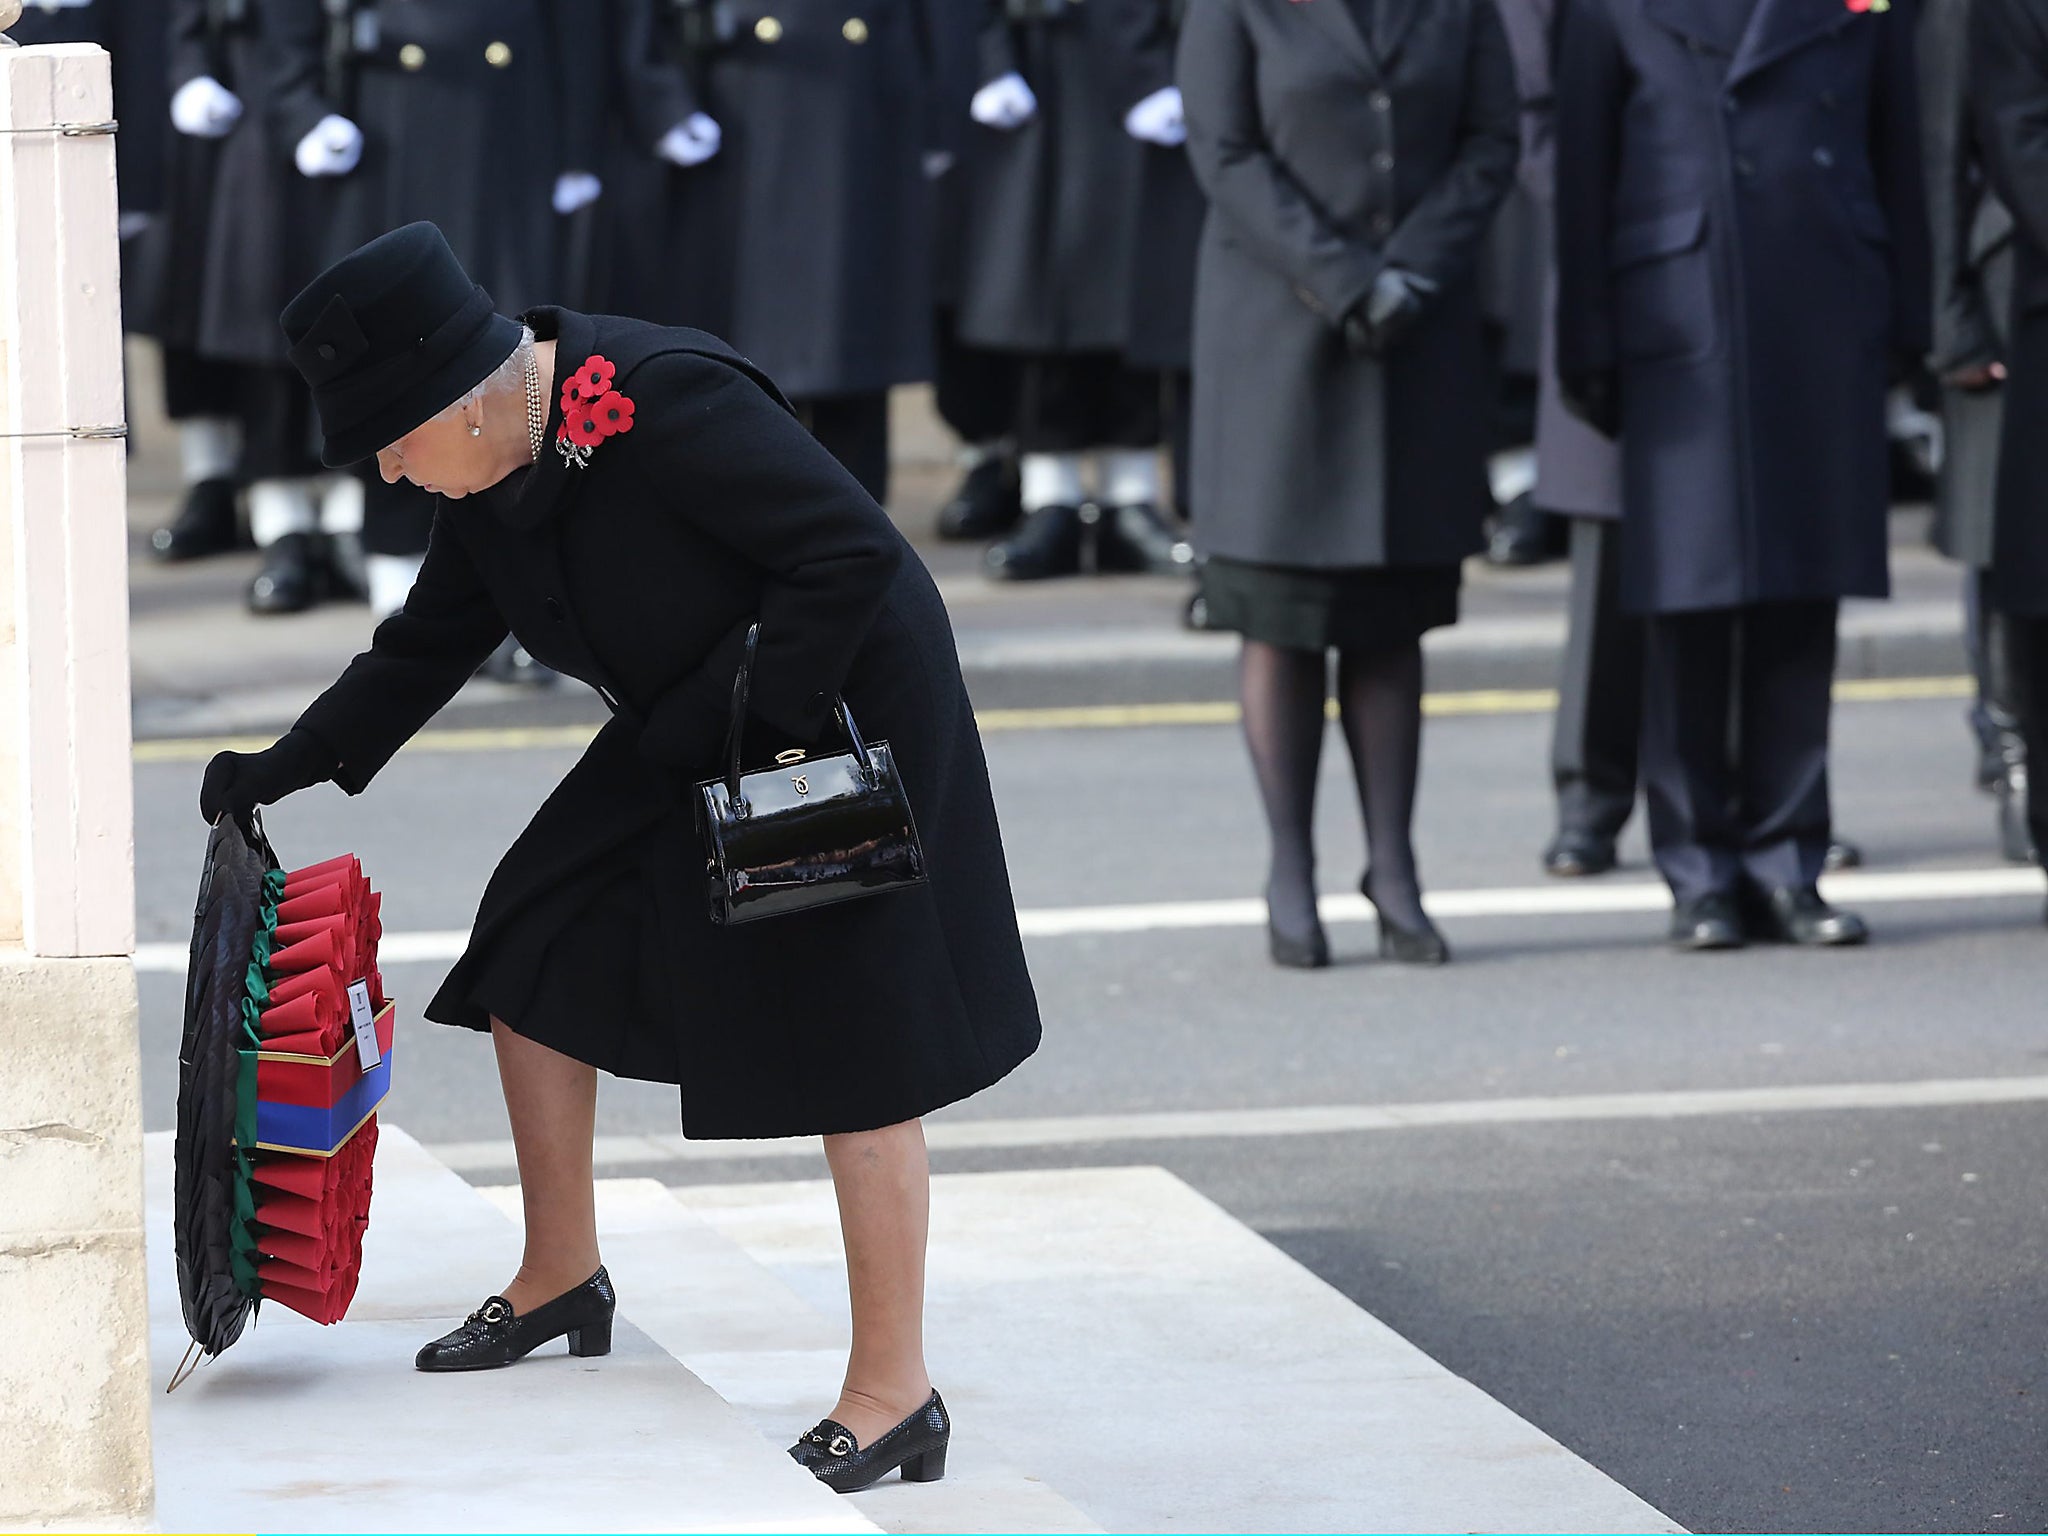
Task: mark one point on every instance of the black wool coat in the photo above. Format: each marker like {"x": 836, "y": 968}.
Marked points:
{"x": 805, "y": 240}
{"x": 639, "y": 576}
{"x": 469, "y": 112}
{"x": 1051, "y": 207}
{"x": 1142, "y": 37}
{"x": 2008, "y": 76}
{"x": 1327, "y": 155}
{"x": 1742, "y": 240}
{"x": 1973, "y": 271}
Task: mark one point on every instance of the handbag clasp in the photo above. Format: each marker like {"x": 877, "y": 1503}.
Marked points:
{"x": 793, "y": 755}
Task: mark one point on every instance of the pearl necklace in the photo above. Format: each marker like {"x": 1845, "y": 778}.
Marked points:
{"x": 536, "y": 405}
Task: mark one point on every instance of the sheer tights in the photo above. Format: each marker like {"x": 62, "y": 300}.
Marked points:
{"x": 1379, "y": 697}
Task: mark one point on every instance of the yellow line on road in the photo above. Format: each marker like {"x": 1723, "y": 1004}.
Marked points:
{"x": 1483, "y": 701}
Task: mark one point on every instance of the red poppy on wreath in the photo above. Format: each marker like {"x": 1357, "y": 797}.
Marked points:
{"x": 1861, "y": 6}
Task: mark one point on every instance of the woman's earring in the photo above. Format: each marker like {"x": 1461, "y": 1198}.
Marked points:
{"x": 476, "y": 430}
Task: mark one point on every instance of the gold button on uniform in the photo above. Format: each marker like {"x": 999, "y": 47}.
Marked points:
{"x": 498, "y": 55}
{"x": 855, "y": 30}
{"x": 768, "y": 29}
{"x": 412, "y": 56}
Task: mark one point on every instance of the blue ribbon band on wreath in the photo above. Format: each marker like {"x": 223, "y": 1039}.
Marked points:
{"x": 316, "y": 1131}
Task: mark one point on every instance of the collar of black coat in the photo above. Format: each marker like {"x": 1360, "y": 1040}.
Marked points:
{"x": 1751, "y": 33}
{"x": 527, "y": 498}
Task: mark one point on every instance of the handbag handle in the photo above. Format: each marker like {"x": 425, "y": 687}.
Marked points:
{"x": 742, "y": 688}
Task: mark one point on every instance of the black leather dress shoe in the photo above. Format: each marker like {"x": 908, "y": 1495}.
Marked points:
{"x": 1574, "y": 855}
{"x": 2015, "y": 837}
{"x": 495, "y": 1335}
{"x": 985, "y": 505}
{"x": 1711, "y": 922}
{"x": 1842, "y": 855}
{"x": 1048, "y": 544}
{"x": 1137, "y": 538}
{"x": 294, "y": 575}
{"x": 841, "y": 1463}
{"x": 1800, "y": 916}
{"x": 204, "y": 525}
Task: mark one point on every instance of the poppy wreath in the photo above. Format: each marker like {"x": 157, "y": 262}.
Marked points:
{"x": 591, "y": 411}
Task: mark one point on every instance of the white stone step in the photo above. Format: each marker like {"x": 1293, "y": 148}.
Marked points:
{"x": 779, "y": 1360}
{"x": 299, "y": 1428}
{"x": 1167, "y": 1369}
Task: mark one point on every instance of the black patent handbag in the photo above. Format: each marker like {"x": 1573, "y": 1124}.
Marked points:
{"x": 808, "y": 831}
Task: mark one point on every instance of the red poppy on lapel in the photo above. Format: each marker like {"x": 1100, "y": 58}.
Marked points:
{"x": 1861, "y": 6}
{"x": 591, "y": 411}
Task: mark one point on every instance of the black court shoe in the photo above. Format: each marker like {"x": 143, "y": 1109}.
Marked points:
{"x": 495, "y": 1335}
{"x": 841, "y": 1463}
{"x": 1406, "y": 946}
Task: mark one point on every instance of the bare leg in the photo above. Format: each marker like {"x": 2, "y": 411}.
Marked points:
{"x": 883, "y": 1180}
{"x": 552, "y": 1100}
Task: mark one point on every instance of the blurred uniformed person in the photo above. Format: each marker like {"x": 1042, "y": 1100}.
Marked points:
{"x": 792, "y": 218}
{"x": 484, "y": 119}
{"x": 1973, "y": 274}
{"x": 1742, "y": 265}
{"x": 1052, "y": 222}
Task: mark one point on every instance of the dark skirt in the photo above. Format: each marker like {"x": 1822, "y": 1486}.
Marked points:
{"x": 1358, "y": 608}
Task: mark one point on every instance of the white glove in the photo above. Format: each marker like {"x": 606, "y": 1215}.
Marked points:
{"x": 1158, "y": 119}
{"x": 691, "y": 142}
{"x": 204, "y": 108}
{"x": 333, "y": 148}
{"x": 576, "y": 190}
{"x": 1005, "y": 102}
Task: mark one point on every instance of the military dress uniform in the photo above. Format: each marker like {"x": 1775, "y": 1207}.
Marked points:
{"x": 1052, "y": 210}
{"x": 804, "y": 240}
{"x": 1742, "y": 266}
{"x": 469, "y": 115}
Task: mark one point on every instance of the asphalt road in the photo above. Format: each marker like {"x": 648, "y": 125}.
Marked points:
{"x": 1829, "y": 1319}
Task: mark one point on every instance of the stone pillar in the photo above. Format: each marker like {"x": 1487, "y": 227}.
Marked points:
{"x": 74, "y": 1334}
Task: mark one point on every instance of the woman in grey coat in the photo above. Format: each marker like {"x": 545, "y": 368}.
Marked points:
{"x": 1354, "y": 153}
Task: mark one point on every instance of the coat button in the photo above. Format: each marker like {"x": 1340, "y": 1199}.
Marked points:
{"x": 1730, "y": 105}
{"x": 1830, "y": 100}
{"x": 412, "y": 56}
{"x": 1383, "y": 224}
{"x": 768, "y": 30}
{"x": 1382, "y": 102}
{"x": 1384, "y": 160}
{"x": 855, "y": 30}
{"x": 555, "y": 611}
{"x": 1824, "y": 157}
{"x": 498, "y": 55}
{"x": 326, "y": 351}
{"x": 1744, "y": 166}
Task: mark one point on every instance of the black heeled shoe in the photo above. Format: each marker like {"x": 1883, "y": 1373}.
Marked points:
{"x": 1307, "y": 952}
{"x": 841, "y": 1463}
{"x": 1406, "y": 946}
{"x": 495, "y": 1335}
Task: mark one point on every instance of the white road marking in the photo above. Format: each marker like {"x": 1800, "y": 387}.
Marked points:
{"x": 1559, "y": 899}
{"x": 955, "y": 1135}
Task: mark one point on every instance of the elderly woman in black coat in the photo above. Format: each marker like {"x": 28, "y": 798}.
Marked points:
{"x": 636, "y": 556}
{"x": 1354, "y": 152}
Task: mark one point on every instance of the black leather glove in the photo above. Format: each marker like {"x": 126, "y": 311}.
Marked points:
{"x": 1595, "y": 398}
{"x": 238, "y": 782}
{"x": 1398, "y": 299}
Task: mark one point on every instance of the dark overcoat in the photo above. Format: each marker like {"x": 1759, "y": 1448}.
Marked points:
{"x": 1143, "y": 34}
{"x": 1051, "y": 207}
{"x": 1578, "y": 470}
{"x": 639, "y": 576}
{"x": 1327, "y": 155}
{"x": 1972, "y": 252}
{"x": 1741, "y": 238}
{"x": 468, "y": 111}
{"x": 805, "y": 241}
{"x": 2008, "y": 72}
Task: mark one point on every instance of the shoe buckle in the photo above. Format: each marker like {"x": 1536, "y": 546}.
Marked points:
{"x": 842, "y": 1445}
{"x": 493, "y": 1311}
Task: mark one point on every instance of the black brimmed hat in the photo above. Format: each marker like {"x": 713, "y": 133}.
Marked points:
{"x": 389, "y": 336}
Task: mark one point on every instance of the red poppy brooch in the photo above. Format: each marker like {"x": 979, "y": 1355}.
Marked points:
{"x": 591, "y": 411}
{"x": 1860, "y": 6}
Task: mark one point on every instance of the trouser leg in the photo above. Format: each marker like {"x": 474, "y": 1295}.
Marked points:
{"x": 2027, "y": 654}
{"x": 1688, "y": 778}
{"x": 1784, "y": 698}
{"x": 1600, "y": 694}
{"x": 855, "y": 428}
